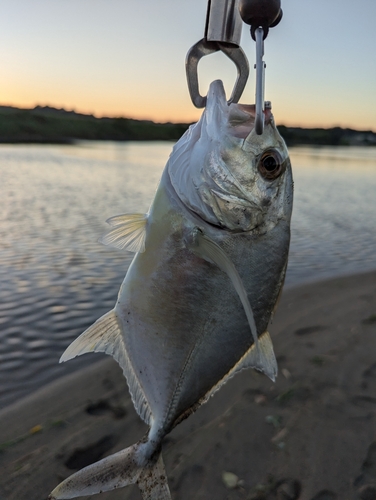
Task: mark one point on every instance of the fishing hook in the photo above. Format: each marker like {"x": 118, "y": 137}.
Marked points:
{"x": 260, "y": 82}
{"x": 261, "y": 15}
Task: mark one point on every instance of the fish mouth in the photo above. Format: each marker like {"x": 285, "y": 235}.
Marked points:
{"x": 239, "y": 119}
{"x": 242, "y": 117}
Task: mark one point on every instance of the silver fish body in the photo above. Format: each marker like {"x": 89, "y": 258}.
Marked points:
{"x": 186, "y": 314}
{"x": 197, "y": 299}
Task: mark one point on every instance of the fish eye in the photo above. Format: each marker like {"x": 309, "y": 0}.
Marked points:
{"x": 270, "y": 165}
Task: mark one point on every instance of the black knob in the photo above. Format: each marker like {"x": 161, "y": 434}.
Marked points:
{"x": 260, "y": 13}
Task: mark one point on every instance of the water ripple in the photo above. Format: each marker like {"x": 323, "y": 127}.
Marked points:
{"x": 56, "y": 279}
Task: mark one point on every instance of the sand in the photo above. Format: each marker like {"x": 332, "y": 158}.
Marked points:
{"x": 309, "y": 436}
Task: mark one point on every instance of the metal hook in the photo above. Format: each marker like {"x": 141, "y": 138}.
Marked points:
{"x": 260, "y": 81}
{"x": 261, "y": 15}
{"x": 204, "y": 48}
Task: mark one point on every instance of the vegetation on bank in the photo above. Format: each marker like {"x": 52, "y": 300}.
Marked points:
{"x": 335, "y": 136}
{"x": 50, "y": 125}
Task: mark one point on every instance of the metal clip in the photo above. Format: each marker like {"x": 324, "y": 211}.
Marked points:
{"x": 222, "y": 33}
{"x": 204, "y": 48}
{"x": 260, "y": 81}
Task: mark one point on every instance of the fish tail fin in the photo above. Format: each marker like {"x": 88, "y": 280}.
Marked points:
{"x": 129, "y": 466}
{"x": 153, "y": 482}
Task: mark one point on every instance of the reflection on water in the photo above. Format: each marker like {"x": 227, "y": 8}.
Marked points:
{"x": 56, "y": 279}
{"x": 334, "y": 217}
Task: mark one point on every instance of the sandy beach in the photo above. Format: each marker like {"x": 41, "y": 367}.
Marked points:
{"x": 309, "y": 436}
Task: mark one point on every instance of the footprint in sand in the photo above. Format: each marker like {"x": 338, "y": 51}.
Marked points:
{"x": 367, "y": 493}
{"x": 288, "y": 489}
{"x": 102, "y": 406}
{"x": 81, "y": 457}
{"x": 310, "y": 329}
{"x": 365, "y": 483}
{"x": 325, "y": 495}
{"x": 369, "y": 378}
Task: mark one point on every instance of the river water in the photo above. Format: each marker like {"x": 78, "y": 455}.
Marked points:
{"x": 56, "y": 279}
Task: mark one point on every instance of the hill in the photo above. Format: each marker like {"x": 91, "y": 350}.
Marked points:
{"x": 51, "y": 125}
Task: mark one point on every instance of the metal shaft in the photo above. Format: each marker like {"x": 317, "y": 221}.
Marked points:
{"x": 223, "y": 22}
{"x": 260, "y": 81}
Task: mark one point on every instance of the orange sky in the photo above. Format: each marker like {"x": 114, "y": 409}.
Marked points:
{"x": 109, "y": 59}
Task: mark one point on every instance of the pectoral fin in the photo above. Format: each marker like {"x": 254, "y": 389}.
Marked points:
{"x": 209, "y": 250}
{"x": 202, "y": 245}
{"x": 129, "y": 232}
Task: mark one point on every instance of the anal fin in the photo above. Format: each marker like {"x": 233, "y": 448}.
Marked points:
{"x": 129, "y": 232}
{"x": 105, "y": 335}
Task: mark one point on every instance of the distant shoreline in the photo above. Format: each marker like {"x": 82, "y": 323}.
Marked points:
{"x": 47, "y": 125}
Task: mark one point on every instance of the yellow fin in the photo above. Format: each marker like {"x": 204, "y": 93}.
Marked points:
{"x": 129, "y": 232}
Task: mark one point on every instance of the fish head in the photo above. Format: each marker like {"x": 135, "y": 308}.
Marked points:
{"x": 227, "y": 174}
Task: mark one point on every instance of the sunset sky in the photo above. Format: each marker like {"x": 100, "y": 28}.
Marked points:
{"x": 126, "y": 58}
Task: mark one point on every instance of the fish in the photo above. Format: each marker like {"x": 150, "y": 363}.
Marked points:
{"x": 195, "y": 305}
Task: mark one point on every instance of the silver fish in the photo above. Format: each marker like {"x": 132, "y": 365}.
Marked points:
{"x": 194, "y": 307}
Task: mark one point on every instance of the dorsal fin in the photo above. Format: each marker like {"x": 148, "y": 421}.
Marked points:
{"x": 105, "y": 335}
{"x": 129, "y": 232}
